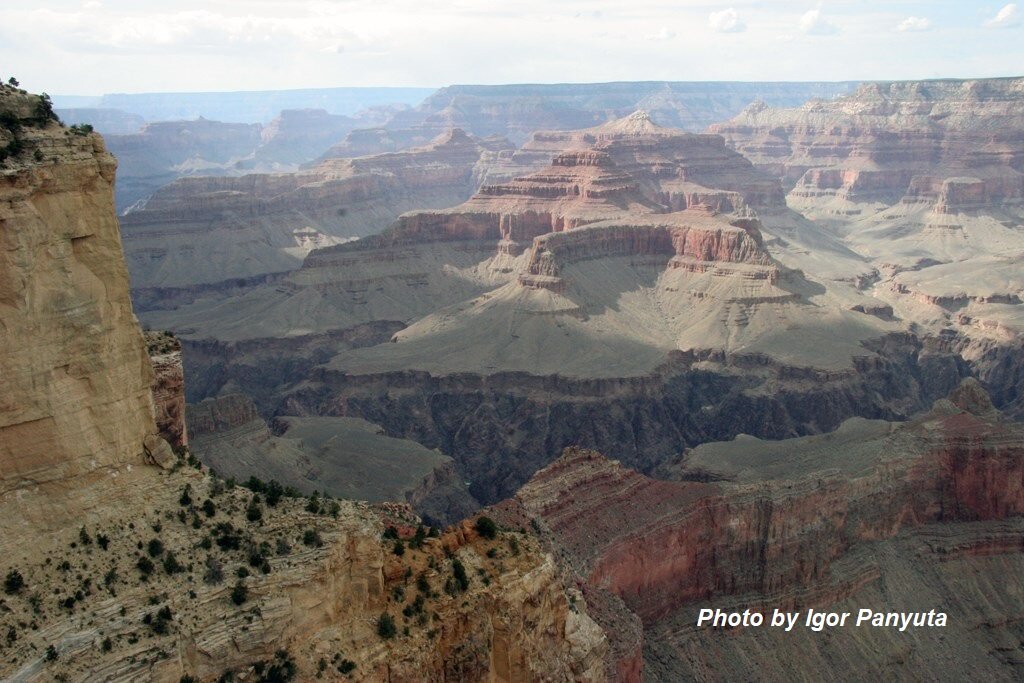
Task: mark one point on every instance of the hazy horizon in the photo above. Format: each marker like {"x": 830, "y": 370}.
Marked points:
{"x": 95, "y": 47}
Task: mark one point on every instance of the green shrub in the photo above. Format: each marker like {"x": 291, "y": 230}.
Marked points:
{"x": 145, "y": 565}
{"x": 386, "y": 628}
{"x": 274, "y": 492}
{"x": 486, "y": 527}
{"x": 239, "y": 594}
{"x": 171, "y": 564}
{"x": 13, "y": 582}
{"x": 254, "y": 512}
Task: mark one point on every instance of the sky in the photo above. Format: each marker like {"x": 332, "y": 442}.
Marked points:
{"x": 91, "y": 47}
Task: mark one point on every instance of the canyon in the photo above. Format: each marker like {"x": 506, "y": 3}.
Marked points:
{"x": 634, "y": 295}
{"x": 260, "y": 224}
{"x": 126, "y": 560}
{"x": 718, "y": 356}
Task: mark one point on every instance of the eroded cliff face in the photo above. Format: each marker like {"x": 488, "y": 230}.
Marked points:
{"x": 924, "y": 180}
{"x": 168, "y": 386}
{"x": 74, "y": 373}
{"x": 790, "y": 525}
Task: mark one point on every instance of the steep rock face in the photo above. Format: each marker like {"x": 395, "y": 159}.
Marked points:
{"x": 925, "y": 180}
{"x": 872, "y": 143}
{"x": 674, "y": 168}
{"x": 74, "y": 374}
{"x": 689, "y": 238}
{"x": 577, "y": 188}
{"x": 783, "y": 525}
{"x": 168, "y": 386}
{"x": 502, "y": 427}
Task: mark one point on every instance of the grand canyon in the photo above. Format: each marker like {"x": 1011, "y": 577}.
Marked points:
{"x": 513, "y": 382}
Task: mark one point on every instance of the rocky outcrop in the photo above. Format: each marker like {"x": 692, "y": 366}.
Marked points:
{"x": 688, "y": 238}
{"x": 168, "y": 386}
{"x": 164, "y": 151}
{"x": 924, "y": 179}
{"x": 955, "y": 144}
{"x": 74, "y": 374}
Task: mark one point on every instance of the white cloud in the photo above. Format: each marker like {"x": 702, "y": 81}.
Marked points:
{"x": 726, "y": 21}
{"x": 914, "y": 24}
{"x": 813, "y": 23}
{"x": 1007, "y": 17}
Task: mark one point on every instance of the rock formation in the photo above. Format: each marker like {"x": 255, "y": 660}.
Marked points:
{"x": 168, "y": 386}
{"x": 923, "y": 179}
{"x": 573, "y": 292}
{"x": 115, "y": 569}
{"x": 517, "y": 111}
{"x": 824, "y": 522}
{"x": 74, "y": 374}
{"x": 265, "y": 223}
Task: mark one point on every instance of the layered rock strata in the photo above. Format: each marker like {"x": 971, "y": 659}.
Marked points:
{"x": 248, "y": 226}
{"x": 517, "y": 111}
{"x": 74, "y": 373}
{"x": 791, "y": 525}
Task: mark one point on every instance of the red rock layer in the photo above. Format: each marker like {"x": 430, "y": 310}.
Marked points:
{"x": 661, "y": 544}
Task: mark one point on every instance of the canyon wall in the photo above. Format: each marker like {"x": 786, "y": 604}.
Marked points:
{"x": 74, "y": 372}
{"x": 790, "y": 525}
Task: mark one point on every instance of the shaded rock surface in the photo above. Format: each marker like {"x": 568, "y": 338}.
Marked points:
{"x": 337, "y": 456}
{"x": 75, "y": 379}
{"x": 832, "y": 522}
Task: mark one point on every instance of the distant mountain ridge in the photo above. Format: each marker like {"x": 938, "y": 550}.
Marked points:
{"x": 255, "y": 106}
